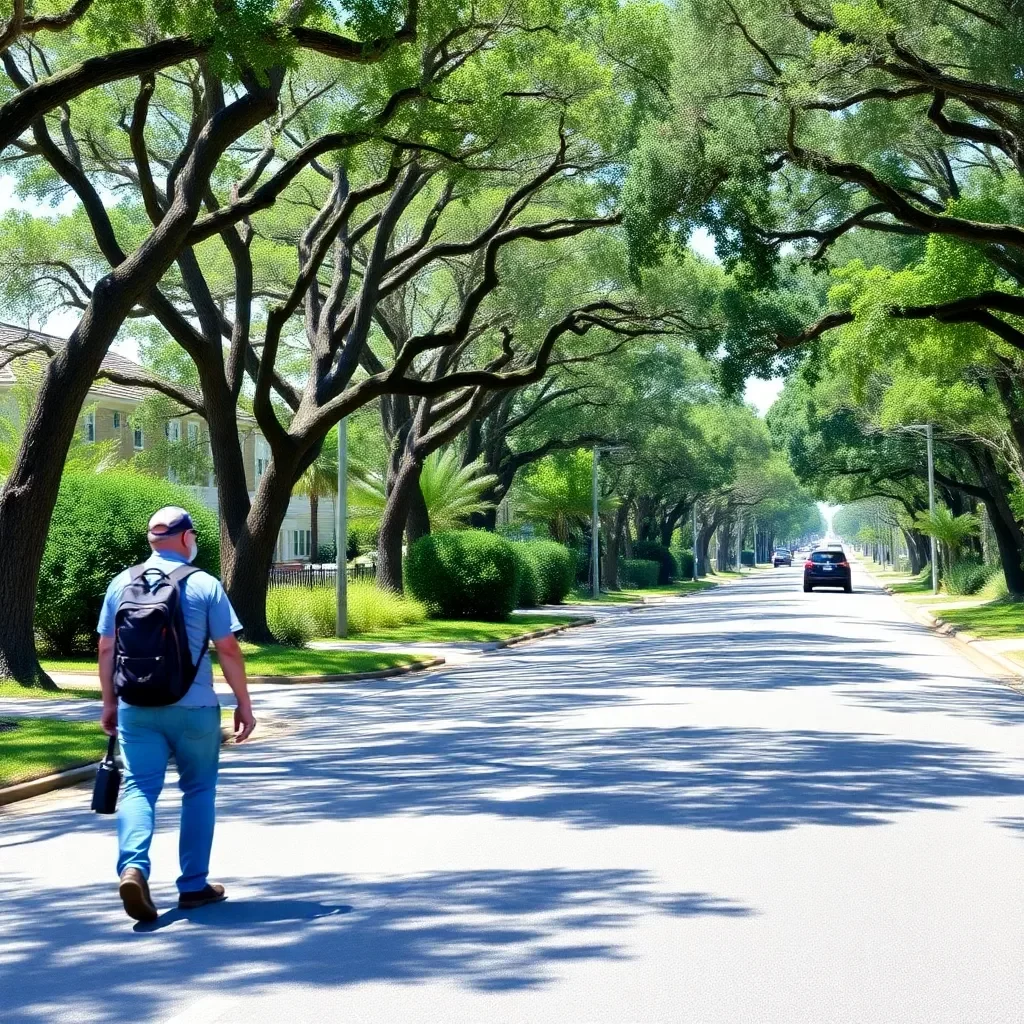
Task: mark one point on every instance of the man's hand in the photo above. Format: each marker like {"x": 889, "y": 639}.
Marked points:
{"x": 245, "y": 722}
{"x": 108, "y": 719}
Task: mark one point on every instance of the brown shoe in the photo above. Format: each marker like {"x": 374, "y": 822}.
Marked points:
{"x": 210, "y": 894}
{"x": 134, "y": 892}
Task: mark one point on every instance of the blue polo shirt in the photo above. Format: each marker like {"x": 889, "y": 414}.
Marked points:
{"x": 206, "y": 609}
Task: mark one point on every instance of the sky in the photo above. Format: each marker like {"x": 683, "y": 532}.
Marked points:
{"x": 759, "y": 393}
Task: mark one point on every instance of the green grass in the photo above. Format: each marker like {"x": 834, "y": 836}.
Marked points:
{"x": 9, "y": 689}
{"x": 272, "y": 660}
{"x": 637, "y": 596}
{"x": 992, "y": 621}
{"x": 42, "y": 746}
{"x": 454, "y": 630}
{"x": 267, "y": 660}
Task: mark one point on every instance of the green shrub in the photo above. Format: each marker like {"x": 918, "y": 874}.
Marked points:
{"x": 967, "y": 576}
{"x": 289, "y": 616}
{"x": 372, "y": 609}
{"x": 463, "y": 574}
{"x": 556, "y": 569}
{"x": 98, "y": 528}
{"x": 995, "y": 589}
{"x": 528, "y": 579}
{"x": 686, "y": 565}
{"x": 297, "y": 614}
{"x": 638, "y": 572}
{"x": 650, "y": 551}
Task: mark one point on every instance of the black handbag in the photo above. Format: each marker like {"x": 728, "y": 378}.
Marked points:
{"x": 108, "y": 781}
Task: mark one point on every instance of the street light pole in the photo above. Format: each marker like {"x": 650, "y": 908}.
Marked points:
{"x": 595, "y": 545}
{"x": 341, "y": 534}
{"x": 929, "y": 433}
{"x": 696, "y": 569}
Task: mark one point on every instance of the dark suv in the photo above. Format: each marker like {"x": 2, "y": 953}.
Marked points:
{"x": 782, "y": 557}
{"x": 827, "y": 567}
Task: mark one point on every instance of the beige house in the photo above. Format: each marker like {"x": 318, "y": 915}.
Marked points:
{"x": 109, "y": 414}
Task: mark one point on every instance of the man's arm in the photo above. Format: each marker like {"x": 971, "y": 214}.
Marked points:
{"x": 108, "y": 719}
{"x": 232, "y": 664}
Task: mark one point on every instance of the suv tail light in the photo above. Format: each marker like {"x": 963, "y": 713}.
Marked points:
{"x": 808, "y": 564}
{"x": 844, "y": 564}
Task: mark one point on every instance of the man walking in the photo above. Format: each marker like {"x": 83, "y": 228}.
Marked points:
{"x": 155, "y": 627}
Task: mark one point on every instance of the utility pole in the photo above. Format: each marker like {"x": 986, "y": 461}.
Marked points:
{"x": 696, "y": 568}
{"x": 341, "y": 534}
{"x": 929, "y": 433}
{"x": 595, "y": 542}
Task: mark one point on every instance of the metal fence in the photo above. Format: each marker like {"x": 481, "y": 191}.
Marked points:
{"x": 316, "y": 575}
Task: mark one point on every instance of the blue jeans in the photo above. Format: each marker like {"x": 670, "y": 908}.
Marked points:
{"x": 148, "y": 737}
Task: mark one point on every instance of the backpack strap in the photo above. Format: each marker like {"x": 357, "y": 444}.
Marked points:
{"x": 178, "y": 577}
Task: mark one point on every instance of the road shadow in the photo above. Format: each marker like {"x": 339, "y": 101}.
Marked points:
{"x": 488, "y": 930}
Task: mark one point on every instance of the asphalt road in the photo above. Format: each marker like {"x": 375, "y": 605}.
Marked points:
{"x": 754, "y": 805}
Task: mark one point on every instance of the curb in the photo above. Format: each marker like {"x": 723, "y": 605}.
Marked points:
{"x": 549, "y": 631}
{"x": 48, "y": 783}
{"x": 348, "y": 677}
{"x": 84, "y": 773}
{"x": 961, "y": 638}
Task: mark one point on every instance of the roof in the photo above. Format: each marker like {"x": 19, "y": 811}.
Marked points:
{"x": 13, "y": 338}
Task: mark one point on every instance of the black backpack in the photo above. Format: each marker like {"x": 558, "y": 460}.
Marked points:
{"x": 152, "y": 661}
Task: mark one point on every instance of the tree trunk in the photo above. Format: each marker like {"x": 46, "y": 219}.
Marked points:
{"x": 912, "y": 552}
{"x": 1009, "y": 537}
{"x": 417, "y": 523}
{"x": 704, "y": 535}
{"x": 392, "y": 524}
{"x": 254, "y": 554}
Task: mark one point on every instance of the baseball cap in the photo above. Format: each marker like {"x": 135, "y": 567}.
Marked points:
{"x": 168, "y": 521}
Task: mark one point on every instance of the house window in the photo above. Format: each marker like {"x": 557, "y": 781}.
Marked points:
{"x": 172, "y": 430}
{"x": 300, "y": 543}
{"x": 138, "y": 438}
{"x": 193, "y": 433}
{"x": 262, "y": 457}
{"x": 90, "y": 426}
{"x": 117, "y": 421}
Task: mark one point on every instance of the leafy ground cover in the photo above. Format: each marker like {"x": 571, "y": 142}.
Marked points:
{"x": 33, "y": 747}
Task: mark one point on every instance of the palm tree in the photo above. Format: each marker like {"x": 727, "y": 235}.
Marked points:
{"x": 452, "y": 493}
{"x": 559, "y": 492}
{"x": 949, "y": 530}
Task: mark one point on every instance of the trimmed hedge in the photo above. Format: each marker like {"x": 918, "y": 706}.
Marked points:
{"x": 528, "y": 578}
{"x": 464, "y": 574}
{"x": 650, "y": 551}
{"x": 638, "y": 572}
{"x": 686, "y": 565}
{"x": 556, "y": 569}
{"x": 99, "y": 528}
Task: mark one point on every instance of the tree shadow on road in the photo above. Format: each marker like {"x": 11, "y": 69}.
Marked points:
{"x": 488, "y": 930}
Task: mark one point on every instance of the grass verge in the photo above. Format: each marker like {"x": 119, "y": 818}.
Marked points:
{"x": 995, "y": 620}
{"x": 265, "y": 660}
{"x": 637, "y": 596}
{"x": 441, "y": 631}
{"x": 33, "y": 747}
{"x": 14, "y": 690}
